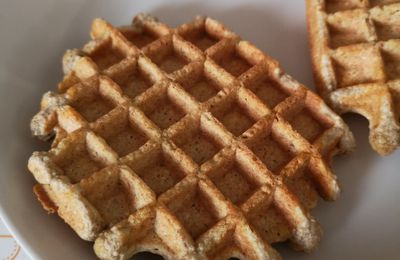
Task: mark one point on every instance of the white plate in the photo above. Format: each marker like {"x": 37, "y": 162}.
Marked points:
{"x": 363, "y": 223}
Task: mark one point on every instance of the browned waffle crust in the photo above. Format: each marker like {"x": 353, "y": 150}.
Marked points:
{"x": 188, "y": 142}
{"x": 355, "y": 49}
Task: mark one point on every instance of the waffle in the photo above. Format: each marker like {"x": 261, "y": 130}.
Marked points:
{"x": 189, "y": 143}
{"x": 355, "y": 53}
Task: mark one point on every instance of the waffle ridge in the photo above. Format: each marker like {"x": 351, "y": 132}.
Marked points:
{"x": 354, "y": 49}
{"x": 190, "y": 143}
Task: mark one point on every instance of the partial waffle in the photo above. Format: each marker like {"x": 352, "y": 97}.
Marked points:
{"x": 190, "y": 143}
{"x": 355, "y": 49}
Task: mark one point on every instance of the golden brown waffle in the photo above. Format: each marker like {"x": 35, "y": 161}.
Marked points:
{"x": 193, "y": 144}
{"x": 355, "y": 49}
